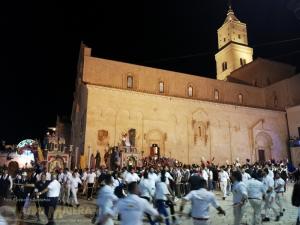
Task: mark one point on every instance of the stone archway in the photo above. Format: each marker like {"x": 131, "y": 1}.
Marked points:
{"x": 263, "y": 146}
{"x": 155, "y": 136}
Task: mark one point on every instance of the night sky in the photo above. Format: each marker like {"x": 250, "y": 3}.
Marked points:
{"x": 40, "y": 43}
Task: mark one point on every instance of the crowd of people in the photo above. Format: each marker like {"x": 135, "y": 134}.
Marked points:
{"x": 153, "y": 191}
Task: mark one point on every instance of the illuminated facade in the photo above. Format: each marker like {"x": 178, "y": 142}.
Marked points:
{"x": 189, "y": 117}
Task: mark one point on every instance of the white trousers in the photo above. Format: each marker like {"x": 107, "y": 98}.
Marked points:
{"x": 270, "y": 204}
{"x": 256, "y": 205}
{"x": 74, "y": 195}
{"x": 278, "y": 200}
{"x": 67, "y": 191}
{"x": 238, "y": 212}
{"x": 223, "y": 186}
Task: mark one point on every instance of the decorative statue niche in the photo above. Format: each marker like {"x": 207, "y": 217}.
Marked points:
{"x": 200, "y": 132}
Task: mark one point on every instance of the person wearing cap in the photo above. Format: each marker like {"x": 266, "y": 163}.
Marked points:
{"x": 52, "y": 190}
{"x": 256, "y": 193}
{"x": 240, "y": 195}
{"x": 201, "y": 199}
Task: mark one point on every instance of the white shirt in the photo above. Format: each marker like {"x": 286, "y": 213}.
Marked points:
{"x": 279, "y": 185}
{"x": 239, "y": 191}
{"x": 53, "y": 189}
{"x": 204, "y": 175}
{"x": 106, "y": 199}
{"x": 153, "y": 178}
{"x": 48, "y": 176}
{"x": 131, "y": 177}
{"x": 146, "y": 189}
{"x": 201, "y": 199}
{"x": 84, "y": 176}
{"x": 245, "y": 176}
{"x": 61, "y": 177}
{"x": 161, "y": 191}
{"x": 74, "y": 181}
{"x": 269, "y": 183}
{"x": 67, "y": 178}
{"x": 223, "y": 176}
{"x": 168, "y": 177}
{"x": 132, "y": 209}
{"x": 91, "y": 178}
{"x": 255, "y": 189}
{"x": 271, "y": 174}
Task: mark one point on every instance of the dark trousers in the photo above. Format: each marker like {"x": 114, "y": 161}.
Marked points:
{"x": 90, "y": 190}
{"x": 162, "y": 209}
{"x": 50, "y": 207}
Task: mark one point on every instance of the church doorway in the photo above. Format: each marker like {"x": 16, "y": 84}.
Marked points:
{"x": 263, "y": 146}
{"x": 156, "y": 138}
{"x": 261, "y": 155}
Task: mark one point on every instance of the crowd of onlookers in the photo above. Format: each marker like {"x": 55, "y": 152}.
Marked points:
{"x": 154, "y": 178}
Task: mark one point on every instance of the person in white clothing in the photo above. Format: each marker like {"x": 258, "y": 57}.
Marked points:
{"x": 74, "y": 181}
{"x": 223, "y": 178}
{"x": 132, "y": 208}
{"x": 131, "y": 177}
{"x": 201, "y": 200}
{"x": 152, "y": 176}
{"x": 245, "y": 176}
{"x": 67, "y": 187}
{"x": 52, "y": 190}
{"x": 91, "y": 178}
{"x": 270, "y": 196}
{"x": 106, "y": 200}
{"x": 279, "y": 190}
{"x": 84, "y": 181}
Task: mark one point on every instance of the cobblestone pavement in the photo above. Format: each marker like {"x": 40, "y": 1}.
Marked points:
{"x": 82, "y": 215}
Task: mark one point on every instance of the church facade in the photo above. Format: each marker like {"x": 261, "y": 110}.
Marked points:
{"x": 189, "y": 117}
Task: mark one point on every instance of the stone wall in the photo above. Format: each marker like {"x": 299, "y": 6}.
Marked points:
{"x": 185, "y": 129}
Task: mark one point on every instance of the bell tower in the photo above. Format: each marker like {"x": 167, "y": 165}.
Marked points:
{"x": 233, "y": 46}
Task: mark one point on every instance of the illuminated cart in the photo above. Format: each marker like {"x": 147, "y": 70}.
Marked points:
{"x": 57, "y": 161}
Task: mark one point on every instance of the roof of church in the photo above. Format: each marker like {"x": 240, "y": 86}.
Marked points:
{"x": 230, "y": 16}
{"x": 262, "y": 73}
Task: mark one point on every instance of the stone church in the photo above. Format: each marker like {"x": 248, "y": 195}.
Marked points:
{"x": 241, "y": 114}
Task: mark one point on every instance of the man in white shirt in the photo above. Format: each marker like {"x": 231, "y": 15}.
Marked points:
{"x": 201, "y": 200}
{"x": 132, "y": 208}
{"x": 74, "y": 181}
{"x": 131, "y": 177}
{"x": 67, "y": 187}
{"x": 106, "y": 199}
{"x": 152, "y": 176}
{"x": 279, "y": 190}
{"x": 256, "y": 192}
{"x": 270, "y": 196}
{"x": 240, "y": 195}
{"x": 245, "y": 176}
{"x": 52, "y": 190}
{"x": 223, "y": 178}
{"x": 91, "y": 177}
{"x": 84, "y": 181}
